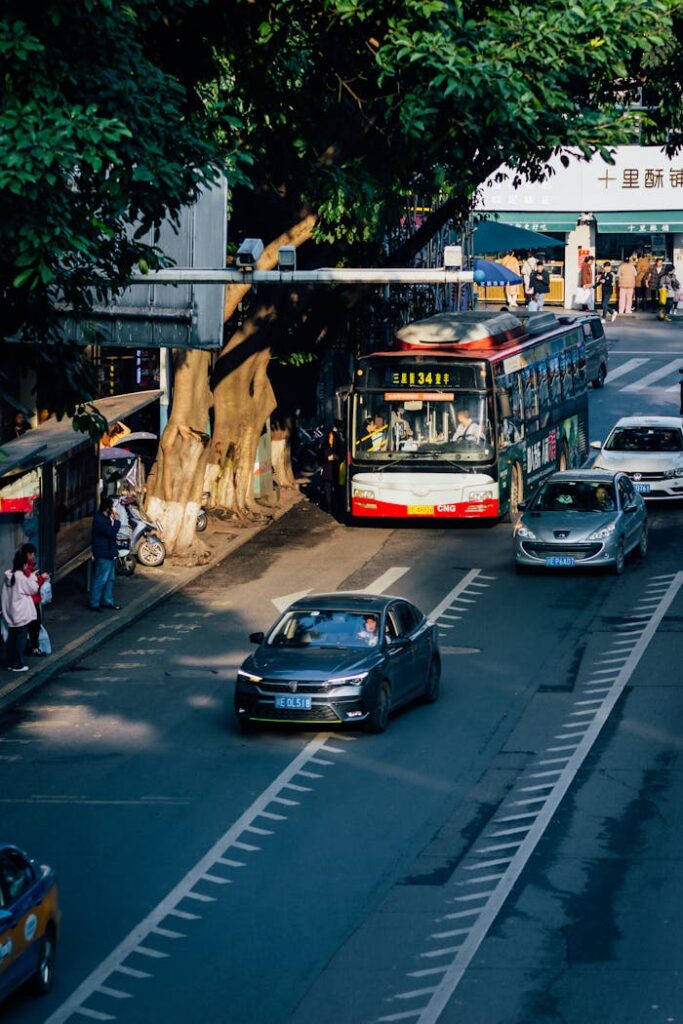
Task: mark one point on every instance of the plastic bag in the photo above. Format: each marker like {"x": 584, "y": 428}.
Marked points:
{"x": 44, "y": 644}
{"x": 4, "y": 632}
{"x": 533, "y": 306}
{"x": 582, "y": 296}
{"x": 46, "y": 593}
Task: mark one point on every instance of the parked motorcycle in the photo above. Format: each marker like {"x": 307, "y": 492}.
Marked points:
{"x": 145, "y": 543}
{"x": 306, "y": 448}
{"x": 202, "y": 520}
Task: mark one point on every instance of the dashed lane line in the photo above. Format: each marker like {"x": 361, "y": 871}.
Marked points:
{"x": 519, "y": 842}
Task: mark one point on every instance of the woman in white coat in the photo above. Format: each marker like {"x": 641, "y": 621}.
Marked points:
{"x": 18, "y": 610}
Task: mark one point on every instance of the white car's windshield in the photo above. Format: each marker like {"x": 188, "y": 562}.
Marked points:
{"x": 645, "y": 439}
{"x": 455, "y": 427}
{"x": 575, "y": 496}
{"x": 316, "y": 629}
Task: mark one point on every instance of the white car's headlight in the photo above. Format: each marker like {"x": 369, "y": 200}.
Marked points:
{"x": 604, "y": 532}
{"x": 356, "y": 680}
{"x": 523, "y": 531}
{"x": 359, "y": 492}
{"x": 248, "y": 677}
{"x": 479, "y": 495}
{"x": 679, "y": 471}
{"x": 668, "y": 474}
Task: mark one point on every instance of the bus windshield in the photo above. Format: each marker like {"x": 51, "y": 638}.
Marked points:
{"x": 452, "y": 425}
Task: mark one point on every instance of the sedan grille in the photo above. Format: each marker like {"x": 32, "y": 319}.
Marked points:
{"x": 580, "y": 552}
{"x": 318, "y": 713}
{"x": 282, "y": 686}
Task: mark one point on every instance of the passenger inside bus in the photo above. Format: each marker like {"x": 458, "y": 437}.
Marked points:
{"x": 434, "y": 427}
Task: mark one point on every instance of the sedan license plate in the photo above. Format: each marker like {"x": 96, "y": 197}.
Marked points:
{"x": 293, "y": 703}
{"x": 560, "y": 561}
{"x": 642, "y": 488}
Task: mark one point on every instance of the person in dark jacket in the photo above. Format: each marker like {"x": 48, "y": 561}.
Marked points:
{"x": 331, "y": 455}
{"x": 606, "y": 280}
{"x": 105, "y": 526}
{"x": 539, "y": 284}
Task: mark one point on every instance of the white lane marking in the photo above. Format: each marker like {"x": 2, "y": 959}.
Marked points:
{"x": 656, "y": 375}
{"x": 488, "y": 914}
{"x": 132, "y": 972}
{"x": 94, "y": 1014}
{"x": 115, "y": 993}
{"x": 627, "y": 367}
{"x": 386, "y": 580}
{"x": 153, "y": 954}
{"x": 450, "y": 597}
{"x": 184, "y": 889}
{"x": 284, "y": 602}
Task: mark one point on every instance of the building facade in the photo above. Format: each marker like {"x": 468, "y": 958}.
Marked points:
{"x": 608, "y": 211}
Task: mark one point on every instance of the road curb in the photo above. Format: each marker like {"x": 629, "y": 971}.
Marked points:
{"x": 75, "y": 650}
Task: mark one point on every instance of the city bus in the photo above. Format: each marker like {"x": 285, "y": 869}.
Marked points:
{"x": 465, "y": 416}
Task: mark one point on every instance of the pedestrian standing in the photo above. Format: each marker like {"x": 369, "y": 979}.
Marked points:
{"x": 606, "y": 282}
{"x": 526, "y": 270}
{"x": 29, "y": 553}
{"x": 540, "y": 284}
{"x": 105, "y": 526}
{"x": 626, "y": 277}
{"x": 331, "y": 454}
{"x": 642, "y": 268}
{"x": 510, "y": 261}
{"x": 18, "y": 611}
{"x": 587, "y": 282}
{"x": 668, "y": 286}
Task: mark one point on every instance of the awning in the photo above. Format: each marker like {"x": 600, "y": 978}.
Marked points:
{"x": 492, "y": 237}
{"x": 640, "y": 222}
{"x": 539, "y": 221}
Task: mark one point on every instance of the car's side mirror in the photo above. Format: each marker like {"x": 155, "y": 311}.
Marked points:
{"x": 256, "y": 638}
{"x": 522, "y": 506}
{"x": 398, "y": 641}
{"x": 596, "y": 444}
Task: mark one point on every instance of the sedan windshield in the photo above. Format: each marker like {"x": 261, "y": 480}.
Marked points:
{"x": 644, "y": 439}
{"x": 575, "y": 496}
{"x": 316, "y": 629}
{"x": 447, "y": 425}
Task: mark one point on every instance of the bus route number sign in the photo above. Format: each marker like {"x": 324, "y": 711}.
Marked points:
{"x": 421, "y": 378}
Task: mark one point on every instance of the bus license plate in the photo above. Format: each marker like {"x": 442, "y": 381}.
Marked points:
{"x": 642, "y": 488}
{"x": 290, "y": 703}
{"x": 560, "y": 561}
{"x": 420, "y": 510}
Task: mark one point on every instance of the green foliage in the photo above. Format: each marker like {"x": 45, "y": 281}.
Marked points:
{"x": 101, "y": 129}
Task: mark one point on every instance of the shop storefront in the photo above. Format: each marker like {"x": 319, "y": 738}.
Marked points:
{"x": 609, "y": 211}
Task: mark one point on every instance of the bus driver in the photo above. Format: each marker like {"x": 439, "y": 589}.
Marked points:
{"x": 467, "y": 428}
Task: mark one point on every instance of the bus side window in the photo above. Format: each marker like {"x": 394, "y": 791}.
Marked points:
{"x": 509, "y": 401}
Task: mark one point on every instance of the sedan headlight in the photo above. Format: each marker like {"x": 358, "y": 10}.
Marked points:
{"x": 668, "y": 474}
{"x": 356, "y": 680}
{"x": 604, "y": 532}
{"x": 479, "y": 495}
{"x": 679, "y": 471}
{"x": 248, "y": 677}
{"x": 359, "y": 492}
{"x": 523, "y": 531}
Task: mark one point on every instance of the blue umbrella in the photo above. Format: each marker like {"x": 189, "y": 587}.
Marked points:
{"x": 486, "y": 272}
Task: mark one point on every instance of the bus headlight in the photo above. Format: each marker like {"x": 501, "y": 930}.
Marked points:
{"x": 479, "y": 495}
{"x": 359, "y": 492}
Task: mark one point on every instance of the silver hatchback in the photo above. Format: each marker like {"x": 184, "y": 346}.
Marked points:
{"x": 581, "y": 517}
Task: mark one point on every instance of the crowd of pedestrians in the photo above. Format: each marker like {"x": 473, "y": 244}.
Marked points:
{"x": 641, "y": 282}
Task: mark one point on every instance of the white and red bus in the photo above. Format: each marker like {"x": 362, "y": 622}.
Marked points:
{"x": 466, "y": 415}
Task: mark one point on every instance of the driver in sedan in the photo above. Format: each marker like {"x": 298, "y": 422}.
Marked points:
{"x": 370, "y": 631}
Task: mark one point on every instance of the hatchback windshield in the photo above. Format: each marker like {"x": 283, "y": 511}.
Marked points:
{"x": 317, "y": 629}
{"x": 448, "y": 426}
{"x": 575, "y": 496}
{"x": 645, "y": 439}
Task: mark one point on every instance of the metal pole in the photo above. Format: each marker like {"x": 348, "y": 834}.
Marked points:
{"x": 324, "y": 275}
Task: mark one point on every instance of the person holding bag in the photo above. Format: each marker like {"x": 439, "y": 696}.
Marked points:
{"x": 18, "y": 611}
{"x": 28, "y": 553}
{"x": 668, "y": 286}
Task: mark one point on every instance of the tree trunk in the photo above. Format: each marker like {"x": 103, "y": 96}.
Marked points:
{"x": 175, "y": 484}
{"x": 281, "y": 438}
{"x": 242, "y": 393}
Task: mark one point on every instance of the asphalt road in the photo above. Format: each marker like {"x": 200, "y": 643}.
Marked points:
{"x": 510, "y": 855}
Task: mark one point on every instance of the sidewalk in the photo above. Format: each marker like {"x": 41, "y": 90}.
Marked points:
{"x": 74, "y": 630}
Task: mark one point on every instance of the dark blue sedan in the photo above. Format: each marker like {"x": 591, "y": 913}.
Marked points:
{"x": 337, "y": 658}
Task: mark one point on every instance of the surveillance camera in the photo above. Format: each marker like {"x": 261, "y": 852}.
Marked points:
{"x": 286, "y": 258}
{"x": 248, "y": 253}
{"x": 452, "y": 257}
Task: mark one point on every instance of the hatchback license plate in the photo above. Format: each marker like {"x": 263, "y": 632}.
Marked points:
{"x": 642, "y": 488}
{"x": 560, "y": 561}
{"x": 291, "y": 703}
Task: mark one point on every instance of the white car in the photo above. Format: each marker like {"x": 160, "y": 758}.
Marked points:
{"x": 649, "y": 449}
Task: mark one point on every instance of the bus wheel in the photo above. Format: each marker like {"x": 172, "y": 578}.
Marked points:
{"x": 564, "y": 457}
{"x": 516, "y": 494}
